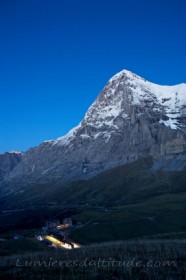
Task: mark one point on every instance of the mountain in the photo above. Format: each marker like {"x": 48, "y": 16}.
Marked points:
{"x": 130, "y": 119}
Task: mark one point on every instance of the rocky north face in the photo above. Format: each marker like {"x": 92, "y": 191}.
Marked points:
{"x": 130, "y": 119}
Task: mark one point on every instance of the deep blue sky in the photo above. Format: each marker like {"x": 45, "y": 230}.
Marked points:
{"x": 56, "y": 56}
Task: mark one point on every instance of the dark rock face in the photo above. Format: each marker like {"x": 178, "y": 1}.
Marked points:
{"x": 7, "y": 162}
{"x": 131, "y": 118}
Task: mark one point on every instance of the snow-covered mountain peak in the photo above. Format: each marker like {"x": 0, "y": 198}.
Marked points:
{"x": 125, "y": 91}
{"x": 126, "y": 86}
{"x": 125, "y": 73}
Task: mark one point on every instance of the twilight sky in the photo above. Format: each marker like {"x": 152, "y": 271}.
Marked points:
{"x": 57, "y": 55}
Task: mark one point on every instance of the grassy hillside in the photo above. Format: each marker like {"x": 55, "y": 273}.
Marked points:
{"x": 143, "y": 260}
{"x": 135, "y": 199}
{"x": 21, "y": 246}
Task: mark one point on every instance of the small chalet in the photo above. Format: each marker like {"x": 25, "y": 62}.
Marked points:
{"x": 67, "y": 222}
{"x": 52, "y": 224}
